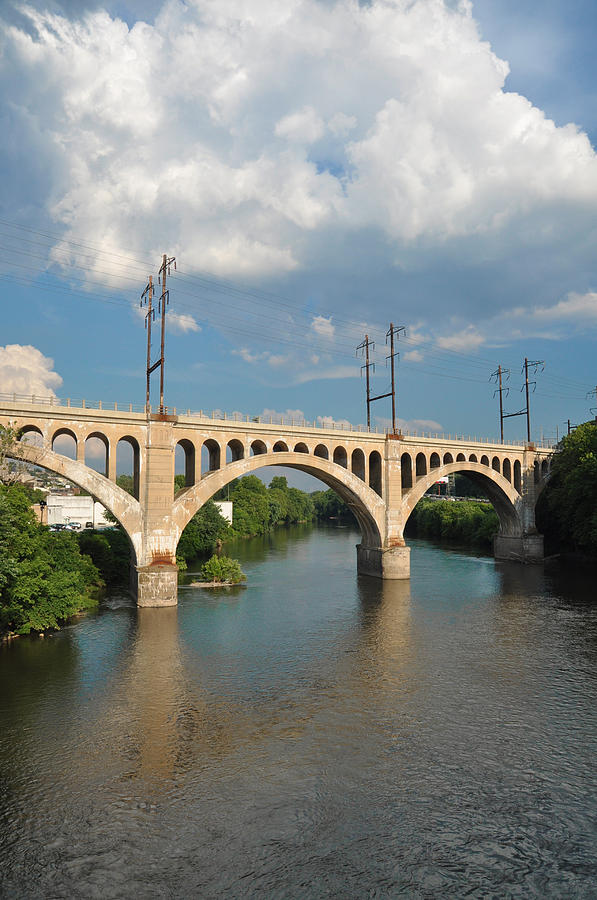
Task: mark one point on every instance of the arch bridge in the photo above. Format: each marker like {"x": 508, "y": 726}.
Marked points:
{"x": 381, "y": 477}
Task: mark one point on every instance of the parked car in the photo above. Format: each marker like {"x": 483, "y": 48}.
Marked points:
{"x": 74, "y": 526}
{"x": 88, "y": 524}
{"x": 57, "y": 526}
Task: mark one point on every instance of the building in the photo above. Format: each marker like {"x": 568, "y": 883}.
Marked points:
{"x": 64, "y": 508}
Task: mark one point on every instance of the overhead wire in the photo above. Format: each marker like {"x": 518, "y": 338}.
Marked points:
{"x": 220, "y": 286}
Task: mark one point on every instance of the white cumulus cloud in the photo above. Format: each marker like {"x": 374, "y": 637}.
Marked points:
{"x": 323, "y": 326}
{"x": 211, "y": 136}
{"x": 463, "y": 341}
{"x": 24, "y": 370}
{"x": 182, "y": 323}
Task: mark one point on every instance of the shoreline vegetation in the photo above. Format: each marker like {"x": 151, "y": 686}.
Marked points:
{"x": 469, "y": 523}
{"x": 46, "y": 578}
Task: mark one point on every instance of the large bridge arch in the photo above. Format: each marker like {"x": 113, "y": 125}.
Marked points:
{"x": 504, "y": 498}
{"x": 367, "y": 506}
{"x": 124, "y": 507}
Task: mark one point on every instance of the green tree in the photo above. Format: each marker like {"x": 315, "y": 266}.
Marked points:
{"x": 222, "y": 569}
{"x": 110, "y": 552}
{"x": 206, "y": 529}
{"x": 250, "y": 509}
{"x": 126, "y": 483}
{"x": 44, "y": 578}
{"x": 328, "y": 505}
{"x": 9, "y": 436}
{"x": 567, "y": 508}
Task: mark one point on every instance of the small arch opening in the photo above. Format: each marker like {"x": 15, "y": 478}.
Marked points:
{"x": 406, "y": 470}
{"x": 472, "y": 457}
{"x": 97, "y": 452}
{"x": 434, "y": 462}
{"x": 258, "y": 448}
{"x": 64, "y": 442}
{"x": 234, "y": 450}
{"x": 484, "y": 460}
{"x": 507, "y": 470}
{"x": 357, "y": 463}
{"x": 421, "y": 465}
{"x": 536, "y": 472}
{"x": 544, "y": 468}
{"x": 301, "y": 448}
{"x": 448, "y": 458}
{"x": 322, "y": 451}
{"x": 495, "y": 464}
{"x": 184, "y": 462}
{"x": 517, "y": 476}
{"x": 375, "y": 472}
{"x": 280, "y": 447}
{"x": 210, "y": 456}
{"x": 461, "y": 458}
{"x": 128, "y": 464}
{"x": 31, "y": 435}
{"x": 340, "y": 457}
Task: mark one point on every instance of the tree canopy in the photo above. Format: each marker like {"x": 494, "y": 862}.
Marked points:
{"x": 567, "y": 508}
{"x": 44, "y": 578}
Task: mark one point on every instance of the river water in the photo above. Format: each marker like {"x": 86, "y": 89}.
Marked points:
{"x": 314, "y": 734}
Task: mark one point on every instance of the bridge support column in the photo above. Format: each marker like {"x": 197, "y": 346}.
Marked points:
{"x": 392, "y": 563}
{"x": 157, "y": 585}
{"x": 525, "y": 548}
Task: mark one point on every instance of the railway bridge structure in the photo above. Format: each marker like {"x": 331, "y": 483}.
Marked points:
{"x": 380, "y": 476}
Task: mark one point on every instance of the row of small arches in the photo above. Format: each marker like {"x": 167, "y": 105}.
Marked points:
{"x": 367, "y": 468}
{"x": 95, "y": 450}
{"x": 510, "y": 471}
{"x": 103, "y": 455}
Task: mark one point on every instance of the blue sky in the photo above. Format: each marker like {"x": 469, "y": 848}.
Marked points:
{"x": 318, "y": 169}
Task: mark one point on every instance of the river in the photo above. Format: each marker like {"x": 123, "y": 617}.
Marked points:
{"x": 313, "y": 734}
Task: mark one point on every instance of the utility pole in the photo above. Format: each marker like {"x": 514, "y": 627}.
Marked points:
{"x": 535, "y": 363}
{"x": 593, "y": 393}
{"x": 164, "y": 301}
{"x": 522, "y": 412}
{"x": 498, "y": 375}
{"x": 390, "y": 334}
{"x": 147, "y": 297}
{"x": 364, "y": 346}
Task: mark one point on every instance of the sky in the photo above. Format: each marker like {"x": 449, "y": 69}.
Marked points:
{"x": 319, "y": 169}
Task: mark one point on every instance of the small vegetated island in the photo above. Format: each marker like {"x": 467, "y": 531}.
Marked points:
{"x": 219, "y": 571}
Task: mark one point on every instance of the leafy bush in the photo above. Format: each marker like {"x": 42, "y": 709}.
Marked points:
{"x": 222, "y": 568}
{"x": 44, "y": 578}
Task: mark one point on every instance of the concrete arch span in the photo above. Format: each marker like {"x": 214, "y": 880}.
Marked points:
{"x": 504, "y": 498}
{"x": 124, "y": 507}
{"x": 367, "y": 506}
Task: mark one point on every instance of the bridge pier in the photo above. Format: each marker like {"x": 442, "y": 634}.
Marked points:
{"x": 391, "y": 563}
{"x": 525, "y": 548}
{"x": 157, "y": 585}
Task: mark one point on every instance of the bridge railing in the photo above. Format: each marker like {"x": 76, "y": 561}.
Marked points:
{"x": 321, "y": 422}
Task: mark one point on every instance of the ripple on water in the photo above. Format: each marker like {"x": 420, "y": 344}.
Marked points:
{"x": 316, "y": 734}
